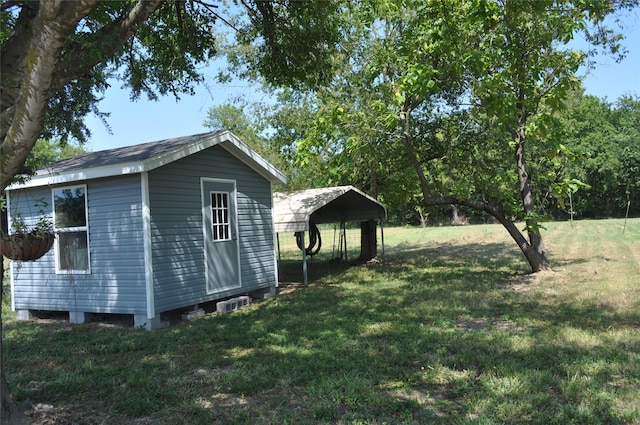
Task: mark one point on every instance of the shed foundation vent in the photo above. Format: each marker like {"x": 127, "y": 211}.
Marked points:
{"x": 233, "y": 304}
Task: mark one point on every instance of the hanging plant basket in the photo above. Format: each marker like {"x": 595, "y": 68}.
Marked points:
{"x": 26, "y": 247}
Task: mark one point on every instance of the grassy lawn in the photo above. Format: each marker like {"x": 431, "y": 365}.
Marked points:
{"x": 449, "y": 329}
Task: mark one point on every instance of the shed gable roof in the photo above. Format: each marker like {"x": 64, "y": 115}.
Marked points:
{"x": 148, "y": 156}
{"x": 293, "y": 211}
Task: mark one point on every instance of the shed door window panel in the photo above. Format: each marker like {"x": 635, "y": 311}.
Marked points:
{"x": 70, "y": 220}
{"x": 220, "y": 219}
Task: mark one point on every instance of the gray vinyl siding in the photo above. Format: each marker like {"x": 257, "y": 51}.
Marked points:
{"x": 116, "y": 283}
{"x": 177, "y": 233}
{"x": 257, "y": 251}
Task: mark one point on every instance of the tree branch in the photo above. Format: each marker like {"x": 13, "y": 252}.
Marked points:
{"x": 49, "y": 29}
{"x": 14, "y": 54}
{"x": 110, "y": 38}
{"x": 211, "y": 8}
{"x": 62, "y": 20}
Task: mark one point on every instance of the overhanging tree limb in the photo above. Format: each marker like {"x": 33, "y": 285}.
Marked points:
{"x": 52, "y": 63}
{"x": 50, "y": 27}
{"x": 109, "y": 38}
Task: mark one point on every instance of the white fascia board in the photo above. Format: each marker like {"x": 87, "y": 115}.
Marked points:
{"x": 80, "y": 175}
{"x": 147, "y": 248}
{"x": 275, "y": 240}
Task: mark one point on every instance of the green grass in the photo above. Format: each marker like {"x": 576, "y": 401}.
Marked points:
{"x": 449, "y": 329}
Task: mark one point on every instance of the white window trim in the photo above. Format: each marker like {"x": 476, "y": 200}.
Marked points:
{"x": 84, "y": 228}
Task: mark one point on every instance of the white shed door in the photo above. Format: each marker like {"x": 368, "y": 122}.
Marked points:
{"x": 222, "y": 261}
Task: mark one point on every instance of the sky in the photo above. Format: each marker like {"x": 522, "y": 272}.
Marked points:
{"x": 147, "y": 121}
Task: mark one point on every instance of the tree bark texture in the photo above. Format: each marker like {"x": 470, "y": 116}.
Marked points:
{"x": 368, "y": 240}
{"x": 526, "y": 193}
{"x": 30, "y": 108}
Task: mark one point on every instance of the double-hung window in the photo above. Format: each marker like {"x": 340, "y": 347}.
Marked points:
{"x": 70, "y": 222}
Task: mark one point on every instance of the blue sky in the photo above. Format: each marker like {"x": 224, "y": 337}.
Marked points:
{"x": 146, "y": 121}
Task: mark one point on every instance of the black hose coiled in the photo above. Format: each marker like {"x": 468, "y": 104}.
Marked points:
{"x": 315, "y": 241}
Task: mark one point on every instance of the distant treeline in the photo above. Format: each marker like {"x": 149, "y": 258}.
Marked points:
{"x": 602, "y": 155}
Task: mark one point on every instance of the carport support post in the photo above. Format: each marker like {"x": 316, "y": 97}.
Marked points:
{"x": 304, "y": 259}
{"x": 278, "y": 240}
{"x": 382, "y": 236}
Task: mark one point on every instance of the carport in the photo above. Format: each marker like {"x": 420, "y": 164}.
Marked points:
{"x": 301, "y": 211}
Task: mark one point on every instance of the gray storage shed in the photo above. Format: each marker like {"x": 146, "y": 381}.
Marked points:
{"x": 146, "y": 229}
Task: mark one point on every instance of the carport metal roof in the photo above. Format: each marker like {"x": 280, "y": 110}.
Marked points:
{"x": 294, "y": 211}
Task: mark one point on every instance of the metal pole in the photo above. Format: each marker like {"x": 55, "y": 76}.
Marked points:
{"x": 625, "y": 217}
{"x": 382, "y": 236}
{"x": 278, "y": 240}
{"x": 344, "y": 231}
{"x": 571, "y": 206}
{"x": 304, "y": 260}
{"x": 333, "y": 249}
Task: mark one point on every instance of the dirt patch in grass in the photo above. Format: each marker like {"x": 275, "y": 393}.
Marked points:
{"x": 488, "y": 326}
{"x": 527, "y": 282}
{"x": 45, "y": 414}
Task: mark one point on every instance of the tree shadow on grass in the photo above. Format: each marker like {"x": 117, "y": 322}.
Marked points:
{"x": 427, "y": 338}
{"x": 353, "y": 357}
{"x": 498, "y": 254}
{"x": 433, "y": 255}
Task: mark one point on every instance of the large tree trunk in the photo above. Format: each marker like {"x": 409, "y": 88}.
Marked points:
{"x": 526, "y": 193}
{"x": 368, "y": 240}
{"x": 51, "y": 25}
{"x": 10, "y": 412}
{"x": 26, "y": 124}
